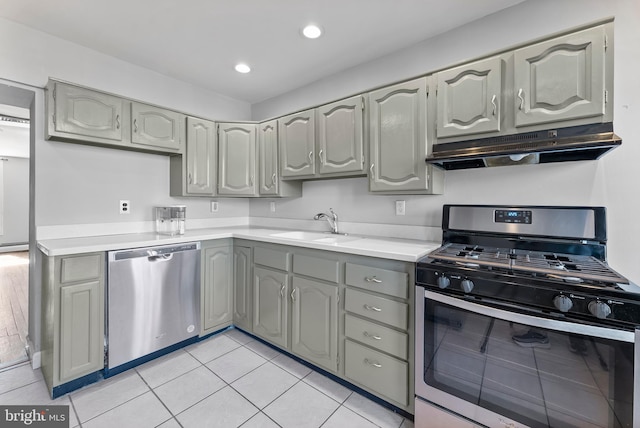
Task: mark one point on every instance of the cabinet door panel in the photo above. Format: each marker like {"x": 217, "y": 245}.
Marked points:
{"x": 237, "y": 163}
{"x": 81, "y": 320}
{"x": 297, "y": 141}
{"x": 469, "y": 98}
{"x": 156, "y": 127}
{"x": 242, "y": 287}
{"x": 88, "y": 113}
{"x": 268, "y": 158}
{"x": 560, "y": 79}
{"x": 314, "y": 322}
{"x": 398, "y": 137}
{"x": 270, "y": 316}
{"x": 201, "y": 156}
{"x": 340, "y": 143}
{"x": 217, "y": 287}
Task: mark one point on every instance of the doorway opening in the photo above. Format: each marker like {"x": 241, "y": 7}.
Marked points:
{"x": 15, "y": 168}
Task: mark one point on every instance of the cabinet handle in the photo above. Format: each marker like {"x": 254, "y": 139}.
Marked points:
{"x": 135, "y": 125}
{"x": 521, "y": 96}
{"x": 273, "y": 179}
{"x": 282, "y": 291}
{"x": 371, "y": 336}
{"x": 190, "y": 179}
{"x": 311, "y": 157}
{"x": 372, "y": 363}
{"x": 371, "y": 171}
{"x": 372, "y": 279}
{"x": 320, "y": 156}
{"x": 372, "y": 308}
{"x": 495, "y": 106}
{"x": 293, "y": 295}
{"x": 118, "y": 121}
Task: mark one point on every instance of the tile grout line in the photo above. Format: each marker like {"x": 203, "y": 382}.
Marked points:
{"x": 161, "y": 402}
{"x": 75, "y": 411}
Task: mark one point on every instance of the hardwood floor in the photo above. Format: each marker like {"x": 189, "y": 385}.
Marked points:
{"x": 14, "y": 307}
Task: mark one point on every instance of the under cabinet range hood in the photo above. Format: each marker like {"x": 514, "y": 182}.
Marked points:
{"x": 586, "y": 142}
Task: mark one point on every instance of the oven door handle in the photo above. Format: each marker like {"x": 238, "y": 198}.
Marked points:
{"x": 564, "y": 326}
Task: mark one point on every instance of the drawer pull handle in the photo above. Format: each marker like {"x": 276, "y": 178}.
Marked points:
{"x": 372, "y": 363}
{"x": 372, "y": 308}
{"x": 372, "y": 336}
{"x": 372, "y": 279}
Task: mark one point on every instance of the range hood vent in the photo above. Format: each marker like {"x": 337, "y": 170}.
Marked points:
{"x": 587, "y": 142}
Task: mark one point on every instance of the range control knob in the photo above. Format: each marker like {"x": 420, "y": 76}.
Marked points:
{"x": 599, "y": 309}
{"x": 563, "y": 303}
{"x": 467, "y": 285}
{"x": 443, "y": 281}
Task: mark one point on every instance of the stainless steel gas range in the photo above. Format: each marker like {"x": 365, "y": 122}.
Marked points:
{"x": 520, "y": 322}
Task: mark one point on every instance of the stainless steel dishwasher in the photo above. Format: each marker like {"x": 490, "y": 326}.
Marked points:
{"x": 153, "y": 297}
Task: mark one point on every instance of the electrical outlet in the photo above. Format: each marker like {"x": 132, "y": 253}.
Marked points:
{"x": 214, "y": 206}
{"x": 125, "y": 206}
{"x": 272, "y": 207}
{"x": 400, "y": 208}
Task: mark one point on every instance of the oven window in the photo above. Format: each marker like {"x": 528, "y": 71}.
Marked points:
{"x": 541, "y": 378}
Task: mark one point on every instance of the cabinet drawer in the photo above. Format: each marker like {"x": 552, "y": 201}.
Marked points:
{"x": 80, "y": 268}
{"x": 316, "y": 267}
{"x": 382, "y": 338}
{"x": 379, "y": 280}
{"x": 376, "y": 308}
{"x": 272, "y": 258}
{"x": 385, "y": 375}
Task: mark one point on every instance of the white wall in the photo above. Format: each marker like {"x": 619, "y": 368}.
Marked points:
{"x": 610, "y": 182}
{"x": 78, "y": 184}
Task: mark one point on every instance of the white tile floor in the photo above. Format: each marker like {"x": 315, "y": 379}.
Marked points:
{"x": 229, "y": 380}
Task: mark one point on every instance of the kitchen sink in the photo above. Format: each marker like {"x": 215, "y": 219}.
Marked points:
{"x": 325, "y": 238}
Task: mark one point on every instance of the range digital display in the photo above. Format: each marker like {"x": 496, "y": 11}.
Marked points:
{"x": 512, "y": 216}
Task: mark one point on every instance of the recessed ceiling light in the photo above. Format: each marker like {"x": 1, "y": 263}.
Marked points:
{"x": 243, "y": 68}
{"x": 312, "y": 31}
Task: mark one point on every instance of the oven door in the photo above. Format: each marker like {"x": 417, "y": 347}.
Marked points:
{"x": 500, "y": 367}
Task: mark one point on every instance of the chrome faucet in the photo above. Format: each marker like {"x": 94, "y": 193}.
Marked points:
{"x": 332, "y": 219}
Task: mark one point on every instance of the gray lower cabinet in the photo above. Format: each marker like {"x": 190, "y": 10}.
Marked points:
{"x": 84, "y": 114}
{"x": 314, "y": 322}
{"x": 156, "y": 127}
{"x": 216, "y": 286}
{"x": 194, "y": 173}
{"x": 563, "y": 78}
{"x": 270, "y": 305}
{"x": 297, "y": 144}
{"x": 73, "y": 317}
{"x": 242, "y": 287}
{"x": 398, "y": 142}
{"x": 237, "y": 159}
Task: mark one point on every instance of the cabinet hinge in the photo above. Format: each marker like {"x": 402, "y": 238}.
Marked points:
{"x": 606, "y": 96}
{"x": 54, "y": 93}
{"x": 53, "y": 116}
{"x": 606, "y": 42}
{"x": 363, "y": 102}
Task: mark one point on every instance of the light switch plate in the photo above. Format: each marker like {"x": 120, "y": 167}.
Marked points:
{"x": 214, "y": 206}
{"x": 272, "y": 207}
{"x": 400, "y": 208}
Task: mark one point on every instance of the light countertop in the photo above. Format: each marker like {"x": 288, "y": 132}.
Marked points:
{"x": 382, "y": 247}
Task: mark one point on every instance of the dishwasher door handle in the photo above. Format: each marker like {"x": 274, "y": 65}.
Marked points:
{"x": 160, "y": 258}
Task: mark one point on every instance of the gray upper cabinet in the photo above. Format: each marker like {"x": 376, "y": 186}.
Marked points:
{"x": 156, "y": 127}
{"x": 562, "y": 79}
{"x": 340, "y": 137}
{"x": 237, "y": 159}
{"x": 194, "y": 174}
{"x": 268, "y": 158}
{"x": 398, "y": 139}
{"x": 297, "y": 144}
{"x": 469, "y": 98}
{"x": 82, "y": 113}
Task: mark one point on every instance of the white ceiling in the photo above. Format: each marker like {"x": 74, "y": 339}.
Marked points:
{"x": 200, "y": 41}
